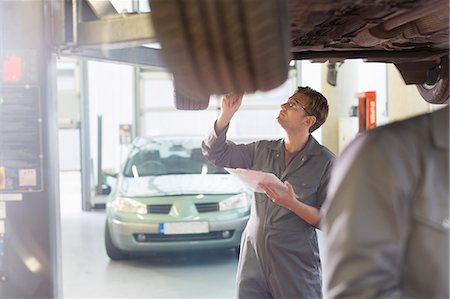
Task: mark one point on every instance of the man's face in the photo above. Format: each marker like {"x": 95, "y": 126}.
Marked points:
{"x": 294, "y": 113}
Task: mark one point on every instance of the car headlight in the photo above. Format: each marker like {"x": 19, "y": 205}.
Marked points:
{"x": 235, "y": 202}
{"x": 128, "y": 205}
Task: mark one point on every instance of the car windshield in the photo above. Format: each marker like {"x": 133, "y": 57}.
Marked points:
{"x": 167, "y": 159}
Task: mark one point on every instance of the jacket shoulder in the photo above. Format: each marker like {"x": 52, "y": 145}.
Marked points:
{"x": 329, "y": 155}
{"x": 269, "y": 143}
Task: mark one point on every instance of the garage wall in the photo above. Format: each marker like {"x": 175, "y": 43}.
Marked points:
{"x": 340, "y": 98}
{"x": 255, "y": 119}
{"x": 111, "y": 95}
{"x": 395, "y": 99}
{"x": 68, "y": 88}
{"x": 158, "y": 115}
{"x": 354, "y": 76}
{"x": 311, "y": 75}
{"x": 404, "y": 100}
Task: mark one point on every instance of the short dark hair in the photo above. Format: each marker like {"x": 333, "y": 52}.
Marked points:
{"x": 317, "y": 105}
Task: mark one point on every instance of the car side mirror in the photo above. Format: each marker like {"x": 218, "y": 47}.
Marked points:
{"x": 110, "y": 173}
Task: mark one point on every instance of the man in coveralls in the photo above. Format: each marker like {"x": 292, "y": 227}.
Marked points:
{"x": 280, "y": 255}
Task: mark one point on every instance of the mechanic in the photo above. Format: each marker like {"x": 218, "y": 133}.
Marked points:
{"x": 280, "y": 255}
{"x": 387, "y": 213}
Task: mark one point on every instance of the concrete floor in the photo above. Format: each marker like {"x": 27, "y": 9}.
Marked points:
{"x": 88, "y": 272}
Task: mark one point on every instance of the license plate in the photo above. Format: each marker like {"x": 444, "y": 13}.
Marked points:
{"x": 178, "y": 228}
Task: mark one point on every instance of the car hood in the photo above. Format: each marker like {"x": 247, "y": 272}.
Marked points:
{"x": 179, "y": 185}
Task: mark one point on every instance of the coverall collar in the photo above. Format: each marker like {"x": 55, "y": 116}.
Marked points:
{"x": 312, "y": 147}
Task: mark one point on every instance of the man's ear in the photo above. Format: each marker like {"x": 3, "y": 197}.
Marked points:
{"x": 311, "y": 120}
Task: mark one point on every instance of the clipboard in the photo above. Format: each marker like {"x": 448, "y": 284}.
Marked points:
{"x": 251, "y": 178}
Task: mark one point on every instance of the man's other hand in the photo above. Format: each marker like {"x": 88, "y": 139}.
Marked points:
{"x": 230, "y": 104}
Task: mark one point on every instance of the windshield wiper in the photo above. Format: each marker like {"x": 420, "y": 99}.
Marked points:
{"x": 178, "y": 172}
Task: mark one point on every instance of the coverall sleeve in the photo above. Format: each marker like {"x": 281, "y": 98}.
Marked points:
{"x": 224, "y": 153}
{"x": 365, "y": 223}
{"x": 323, "y": 186}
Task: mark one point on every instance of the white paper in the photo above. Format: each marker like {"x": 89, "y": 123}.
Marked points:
{"x": 27, "y": 177}
{"x": 251, "y": 178}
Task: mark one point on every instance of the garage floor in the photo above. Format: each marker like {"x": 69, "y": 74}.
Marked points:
{"x": 88, "y": 272}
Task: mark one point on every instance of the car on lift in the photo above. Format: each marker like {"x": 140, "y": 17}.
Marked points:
{"x": 168, "y": 197}
{"x": 220, "y": 46}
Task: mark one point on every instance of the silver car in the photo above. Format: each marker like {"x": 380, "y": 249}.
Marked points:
{"x": 169, "y": 198}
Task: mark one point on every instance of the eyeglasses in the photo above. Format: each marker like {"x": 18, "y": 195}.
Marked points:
{"x": 295, "y": 105}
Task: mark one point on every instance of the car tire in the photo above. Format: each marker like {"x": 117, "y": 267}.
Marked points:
{"x": 112, "y": 250}
{"x": 437, "y": 93}
{"x": 221, "y": 46}
{"x": 187, "y": 103}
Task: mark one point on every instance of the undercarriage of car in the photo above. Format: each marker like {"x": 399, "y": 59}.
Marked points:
{"x": 215, "y": 47}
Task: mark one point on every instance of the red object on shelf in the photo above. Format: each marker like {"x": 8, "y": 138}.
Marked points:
{"x": 367, "y": 110}
{"x": 12, "y": 69}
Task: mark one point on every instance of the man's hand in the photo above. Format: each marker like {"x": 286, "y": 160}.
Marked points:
{"x": 230, "y": 104}
{"x": 286, "y": 198}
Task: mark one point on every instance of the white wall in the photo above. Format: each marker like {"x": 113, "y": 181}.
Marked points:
{"x": 354, "y": 76}
{"x": 68, "y": 114}
{"x": 404, "y": 100}
{"x": 69, "y": 149}
{"x": 158, "y": 114}
{"x": 310, "y": 75}
{"x": 373, "y": 77}
{"x": 111, "y": 95}
{"x": 256, "y": 118}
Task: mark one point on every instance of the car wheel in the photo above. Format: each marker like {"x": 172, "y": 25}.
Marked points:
{"x": 187, "y": 103}
{"x": 218, "y": 47}
{"x": 112, "y": 251}
{"x": 438, "y": 92}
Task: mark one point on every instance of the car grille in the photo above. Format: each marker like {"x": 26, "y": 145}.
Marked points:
{"x": 183, "y": 237}
{"x": 158, "y": 209}
{"x": 201, "y": 208}
{"x": 207, "y": 207}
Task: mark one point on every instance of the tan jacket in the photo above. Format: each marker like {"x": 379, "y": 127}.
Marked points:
{"x": 386, "y": 217}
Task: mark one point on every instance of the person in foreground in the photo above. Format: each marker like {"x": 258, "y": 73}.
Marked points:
{"x": 279, "y": 250}
{"x": 386, "y": 218}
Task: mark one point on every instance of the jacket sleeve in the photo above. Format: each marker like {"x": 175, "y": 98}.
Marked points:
{"x": 365, "y": 221}
{"x": 323, "y": 186}
{"x": 221, "y": 152}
